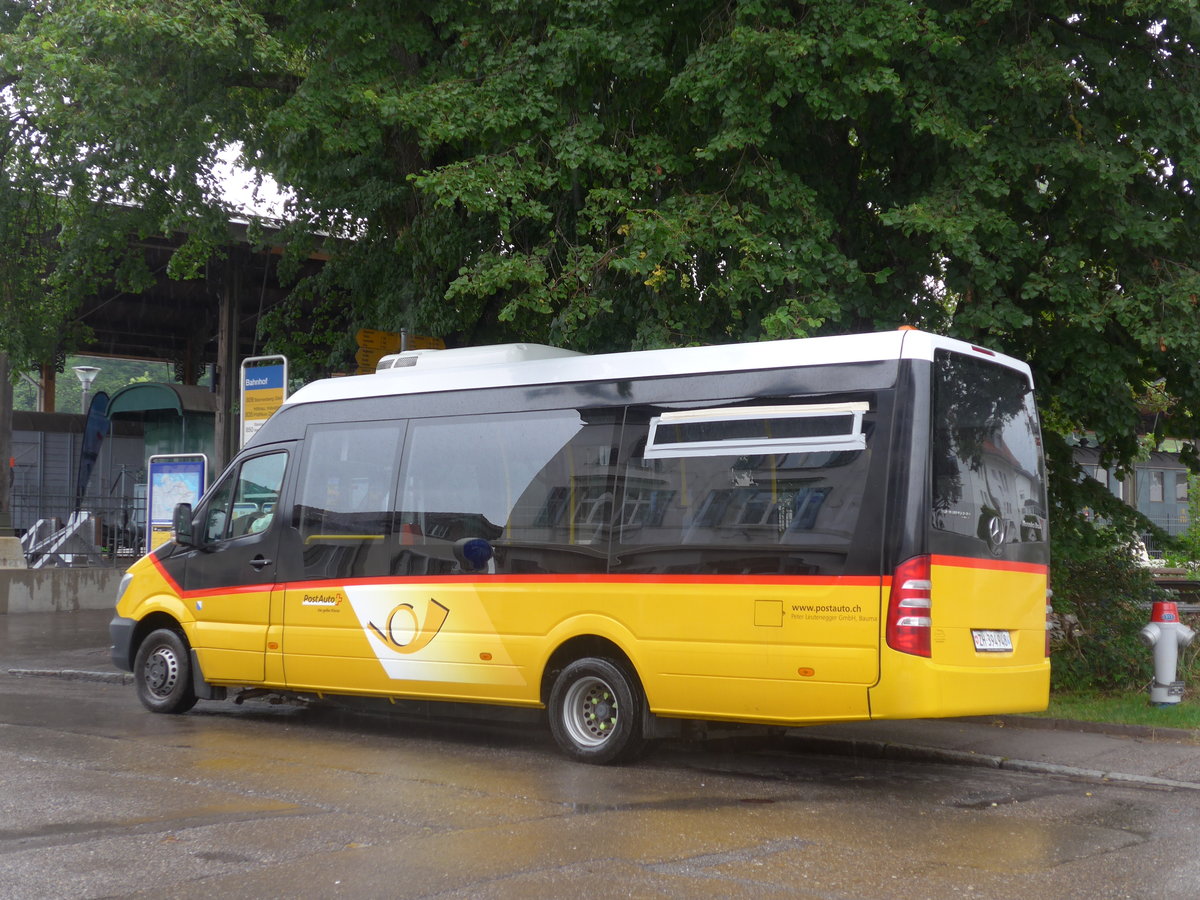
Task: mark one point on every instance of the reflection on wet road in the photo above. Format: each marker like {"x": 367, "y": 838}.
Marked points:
{"x": 99, "y": 798}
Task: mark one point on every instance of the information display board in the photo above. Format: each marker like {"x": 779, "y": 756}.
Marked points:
{"x": 174, "y": 478}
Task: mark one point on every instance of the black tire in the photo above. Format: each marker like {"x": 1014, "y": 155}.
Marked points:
{"x": 162, "y": 672}
{"x": 595, "y": 712}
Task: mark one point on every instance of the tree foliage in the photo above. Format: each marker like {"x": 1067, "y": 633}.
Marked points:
{"x": 1101, "y": 602}
{"x": 608, "y": 174}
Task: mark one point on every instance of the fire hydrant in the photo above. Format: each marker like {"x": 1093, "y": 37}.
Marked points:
{"x": 1167, "y": 635}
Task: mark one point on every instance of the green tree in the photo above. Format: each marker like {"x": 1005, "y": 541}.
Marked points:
{"x": 613, "y": 173}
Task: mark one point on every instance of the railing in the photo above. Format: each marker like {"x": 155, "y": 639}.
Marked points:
{"x": 1172, "y": 525}
{"x": 119, "y": 533}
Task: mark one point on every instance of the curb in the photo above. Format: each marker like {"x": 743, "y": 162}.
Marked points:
{"x": 914, "y": 753}
{"x": 1148, "y": 732}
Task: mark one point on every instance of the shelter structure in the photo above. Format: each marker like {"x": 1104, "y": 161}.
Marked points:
{"x": 210, "y": 321}
{"x": 174, "y": 418}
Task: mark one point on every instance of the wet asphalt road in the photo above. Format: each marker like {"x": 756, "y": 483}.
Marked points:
{"x": 99, "y": 798}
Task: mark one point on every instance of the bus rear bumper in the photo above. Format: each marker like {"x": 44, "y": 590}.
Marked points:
{"x": 942, "y": 692}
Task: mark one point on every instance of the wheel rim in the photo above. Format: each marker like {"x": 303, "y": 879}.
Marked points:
{"x": 161, "y": 672}
{"x": 590, "y": 712}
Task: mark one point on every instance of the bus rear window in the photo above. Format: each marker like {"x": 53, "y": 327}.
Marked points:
{"x": 988, "y": 479}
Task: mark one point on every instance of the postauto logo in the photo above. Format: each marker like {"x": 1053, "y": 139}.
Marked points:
{"x": 406, "y": 631}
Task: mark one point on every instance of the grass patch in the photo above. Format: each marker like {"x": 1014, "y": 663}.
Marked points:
{"x": 1124, "y": 708}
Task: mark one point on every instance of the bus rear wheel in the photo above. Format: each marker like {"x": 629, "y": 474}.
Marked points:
{"x": 162, "y": 672}
{"x": 596, "y": 710}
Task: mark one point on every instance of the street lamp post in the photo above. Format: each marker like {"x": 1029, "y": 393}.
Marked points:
{"x": 86, "y": 375}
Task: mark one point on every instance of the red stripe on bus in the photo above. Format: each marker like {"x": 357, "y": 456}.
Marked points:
{"x": 1000, "y": 565}
{"x": 162, "y": 571}
{"x": 332, "y": 584}
{"x": 964, "y": 562}
{"x": 481, "y": 580}
{"x": 210, "y": 592}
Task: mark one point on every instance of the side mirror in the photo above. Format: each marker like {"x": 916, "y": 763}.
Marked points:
{"x": 181, "y": 522}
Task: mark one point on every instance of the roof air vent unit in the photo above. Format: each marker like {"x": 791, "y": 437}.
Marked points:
{"x": 498, "y": 354}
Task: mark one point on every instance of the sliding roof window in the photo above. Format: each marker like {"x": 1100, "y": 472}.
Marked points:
{"x": 734, "y": 431}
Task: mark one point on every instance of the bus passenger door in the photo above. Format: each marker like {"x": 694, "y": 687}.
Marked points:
{"x": 229, "y": 579}
{"x": 338, "y": 545}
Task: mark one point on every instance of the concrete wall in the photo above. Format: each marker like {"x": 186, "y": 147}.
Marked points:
{"x": 58, "y": 590}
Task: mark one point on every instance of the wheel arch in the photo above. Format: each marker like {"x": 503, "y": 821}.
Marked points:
{"x": 151, "y": 622}
{"x": 579, "y": 647}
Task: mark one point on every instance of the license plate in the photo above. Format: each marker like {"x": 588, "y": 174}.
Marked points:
{"x": 992, "y": 641}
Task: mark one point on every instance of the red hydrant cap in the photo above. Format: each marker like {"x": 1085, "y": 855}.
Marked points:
{"x": 1164, "y": 612}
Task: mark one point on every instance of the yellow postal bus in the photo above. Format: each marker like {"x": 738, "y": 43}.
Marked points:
{"x": 782, "y": 533}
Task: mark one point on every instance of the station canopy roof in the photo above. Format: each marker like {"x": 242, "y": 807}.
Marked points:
{"x": 150, "y": 397}
{"x": 179, "y": 320}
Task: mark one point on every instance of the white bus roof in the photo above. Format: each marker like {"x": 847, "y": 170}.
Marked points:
{"x": 533, "y": 364}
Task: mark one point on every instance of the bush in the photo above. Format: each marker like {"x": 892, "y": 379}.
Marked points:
{"x": 1101, "y": 598}
{"x": 1102, "y": 595}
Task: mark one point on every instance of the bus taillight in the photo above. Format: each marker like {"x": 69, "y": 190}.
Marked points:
{"x": 909, "y": 621}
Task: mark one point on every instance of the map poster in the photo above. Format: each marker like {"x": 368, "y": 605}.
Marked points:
{"x": 176, "y": 478}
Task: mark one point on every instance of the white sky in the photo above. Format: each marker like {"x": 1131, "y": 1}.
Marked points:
{"x": 241, "y": 190}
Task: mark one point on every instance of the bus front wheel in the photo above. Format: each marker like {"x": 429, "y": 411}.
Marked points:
{"x": 162, "y": 672}
{"x": 596, "y": 712}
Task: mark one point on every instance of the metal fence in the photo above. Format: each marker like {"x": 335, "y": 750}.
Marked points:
{"x": 117, "y": 532}
{"x": 1172, "y": 525}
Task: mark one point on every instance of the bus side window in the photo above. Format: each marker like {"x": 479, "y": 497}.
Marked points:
{"x": 537, "y": 486}
{"x": 712, "y": 498}
{"x": 343, "y": 509}
{"x": 244, "y": 503}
